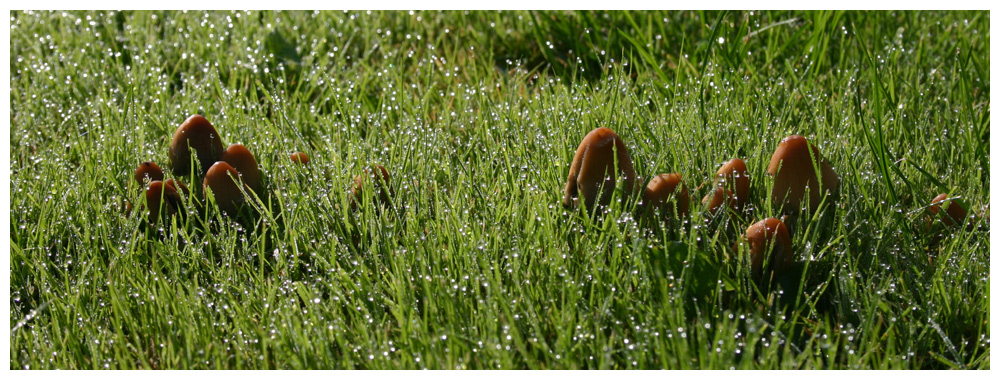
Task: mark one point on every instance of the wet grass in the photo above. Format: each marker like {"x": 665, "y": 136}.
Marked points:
{"x": 475, "y": 264}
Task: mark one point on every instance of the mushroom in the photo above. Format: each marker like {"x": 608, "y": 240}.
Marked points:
{"x": 769, "y": 238}
{"x": 300, "y": 158}
{"x": 734, "y": 178}
{"x": 668, "y": 194}
{"x": 717, "y": 198}
{"x": 177, "y": 186}
{"x": 240, "y": 158}
{"x": 380, "y": 177}
{"x": 197, "y": 134}
{"x": 793, "y": 171}
{"x": 148, "y": 170}
{"x": 221, "y": 179}
{"x": 156, "y": 193}
{"x": 592, "y": 175}
{"x": 955, "y": 213}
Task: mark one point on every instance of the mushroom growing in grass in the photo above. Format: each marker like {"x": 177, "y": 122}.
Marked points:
{"x": 221, "y": 180}
{"x": 667, "y": 194}
{"x": 795, "y": 165}
{"x": 300, "y": 158}
{"x": 592, "y": 175}
{"x": 719, "y": 197}
{"x": 240, "y": 158}
{"x": 734, "y": 179}
{"x": 158, "y": 195}
{"x": 768, "y": 239}
{"x": 148, "y": 171}
{"x": 181, "y": 190}
{"x": 382, "y": 190}
{"x": 195, "y": 134}
{"x": 954, "y": 213}
{"x": 177, "y": 185}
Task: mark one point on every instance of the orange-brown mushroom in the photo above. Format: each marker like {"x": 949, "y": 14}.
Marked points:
{"x": 196, "y": 134}
{"x": 769, "y": 238}
{"x": 954, "y": 214}
{"x": 222, "y": 179}
{"x": 148, "y": 171}
{"x": 176, "y": 185}
{"x": 240, "y": 158}
{"x": 300, "y": 158}
{"x": 382, "y": 188}
{"x": 735, "y": 179}
{"x": 592, "y": 175}
{"x": 668, "y": 194}
{"x": 793, "y": 170}
{"x": 158, "y": 193}
{"x": 719, "y": 197}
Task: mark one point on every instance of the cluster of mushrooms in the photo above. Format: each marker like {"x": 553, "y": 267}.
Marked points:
{"x": 227, "y": 175}
{"x": 802, "y": 179}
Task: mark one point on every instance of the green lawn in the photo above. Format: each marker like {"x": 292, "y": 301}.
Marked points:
{"x": 475, "y": 263}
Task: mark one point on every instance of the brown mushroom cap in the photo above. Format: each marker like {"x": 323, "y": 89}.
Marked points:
{"x": 665, "y": 192}
{"x": 300, "y": 158}
{"x": 720, "y": 196}
{"x": 769, "y": 238}
{"x": 593, "y": 168}
{"x": 240, "y": 158}
{"x": 955, "y": 213}
{"x": 793, "y": 171}
{"x": 156, "y": 194}
{"x": 148, "y": 170}
{"x": 221, "y": 179}
{"x": 177, "y": 186}
{"x": 734, "y": 177}
{"x": 379, "y": 176}
{"x": 197, "y": 134}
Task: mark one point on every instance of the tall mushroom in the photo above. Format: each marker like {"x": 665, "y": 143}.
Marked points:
{"x": 593, "y": 175}
{"x": 195, "y": 134}
{"x": 240, "y": 158}
{"x": 795, "y": 165}
{"x": 222, "y": 179}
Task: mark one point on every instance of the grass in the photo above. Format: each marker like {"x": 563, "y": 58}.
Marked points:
{"x": 477, "y": 116}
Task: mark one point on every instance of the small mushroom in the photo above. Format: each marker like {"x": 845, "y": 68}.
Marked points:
{"x": 221, "y": 180}
{"x": 719, "y": 197}
{"x": 300, "y": 158}
{"x": 734, "y": 178}
{"x": 379, "y": 176}
{"x": 148, "y": 171}
{"x": 955, "y": 213}
{"x": 592, "y": 175}
{"x": 197, "y": 134}
{"x": 177, "y": 186}
{"x": 668, "y": 194}
{"x": 240, "y": 158}
{"x": 769, "y": 238}
{"x": 156, "y": 193}
{"x": 793, "y": 171}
